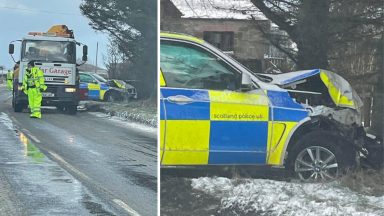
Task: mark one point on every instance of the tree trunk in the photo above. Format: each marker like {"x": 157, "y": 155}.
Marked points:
{"x": 312, "y": 34}
{"x": 377, "y": 127}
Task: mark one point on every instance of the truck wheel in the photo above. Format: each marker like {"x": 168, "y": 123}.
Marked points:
{"x": 320, "y": 156}
{"x": 72, "y": 109}
{"x": 18, "y": 107}
{"x": 59, "y": 108}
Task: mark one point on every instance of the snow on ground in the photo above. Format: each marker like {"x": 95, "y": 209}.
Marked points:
{"x": 218, "y": 9}
{"x": 135, "y": 111}
{"x": 270, "y": 197}
{"x": 126, "y": 123}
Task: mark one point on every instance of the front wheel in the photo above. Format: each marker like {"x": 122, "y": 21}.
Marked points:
{"x": 18, "y": 107}
{"x": 112, "y": 97}
{"x": 320, "y": 156}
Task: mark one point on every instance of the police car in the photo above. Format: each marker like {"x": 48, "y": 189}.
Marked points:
{"x": 95, "y": 87}
{"x": 214, "y": 111}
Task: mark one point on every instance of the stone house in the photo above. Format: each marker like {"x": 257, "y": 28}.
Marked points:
{"x": 236, "y": 32}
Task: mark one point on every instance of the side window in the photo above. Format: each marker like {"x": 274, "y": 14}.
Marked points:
{"x": 84, "y": 78}
{"x": 189, "y": 66}
{"x": 221, "y": 40}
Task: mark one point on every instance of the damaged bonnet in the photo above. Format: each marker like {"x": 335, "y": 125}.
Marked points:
{"x": 339, "y": 90}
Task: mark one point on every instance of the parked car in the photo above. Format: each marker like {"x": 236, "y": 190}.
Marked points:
{"x": 94, "y": 87}
{"x": 214, "y": 111}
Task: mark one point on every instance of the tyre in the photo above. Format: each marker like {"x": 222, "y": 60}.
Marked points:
{"x": 68, "y": 108}
{"x": 18, "y": 107}
{"x": 71, "y": 109}
{"x": 112, "y": 97}
{"x": 60, "y": 108}
{"x": 320, "y": 156}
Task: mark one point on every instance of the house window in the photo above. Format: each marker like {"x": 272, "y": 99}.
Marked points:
{"x": 222, "y": 40}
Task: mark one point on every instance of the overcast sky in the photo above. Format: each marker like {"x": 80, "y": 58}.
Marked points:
{"x": 17, "y": 17}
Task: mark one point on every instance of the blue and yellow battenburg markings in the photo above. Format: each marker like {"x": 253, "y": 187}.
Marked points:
{"x": 284, "y": 116}
{"x": 224, "y": 127}
{"x": 95, "y": 91}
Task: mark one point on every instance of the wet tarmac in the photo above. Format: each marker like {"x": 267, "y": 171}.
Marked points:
{"x": 76, "y": 165}
{"x": 37, "y": 185}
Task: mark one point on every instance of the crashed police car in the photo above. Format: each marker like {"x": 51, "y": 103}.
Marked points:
{"x": 94, "y": 87}
{"x": 214, "y": 111}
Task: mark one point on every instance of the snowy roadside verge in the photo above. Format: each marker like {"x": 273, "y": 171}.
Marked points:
{"x": 270, "y": 197}
{"x": 137, "y": 111}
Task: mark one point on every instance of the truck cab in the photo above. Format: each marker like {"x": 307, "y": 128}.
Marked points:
{"x": 55, "y": 55}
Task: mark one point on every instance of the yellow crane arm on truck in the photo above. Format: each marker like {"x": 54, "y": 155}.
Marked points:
{"x": 61, "y": 30}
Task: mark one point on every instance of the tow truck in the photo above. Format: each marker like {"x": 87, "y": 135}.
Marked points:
{"x": 54, "y": 52}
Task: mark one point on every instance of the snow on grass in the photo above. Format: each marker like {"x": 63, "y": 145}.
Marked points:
{"x": 142, "y": 112}
{"x": 270, "y": 197}
{"x": 132, "y": 125}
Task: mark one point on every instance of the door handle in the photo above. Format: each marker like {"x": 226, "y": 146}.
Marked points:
{"x": 180, "y": 99}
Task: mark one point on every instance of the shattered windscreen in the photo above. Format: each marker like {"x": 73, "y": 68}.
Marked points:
{"x": 49, "y": 51}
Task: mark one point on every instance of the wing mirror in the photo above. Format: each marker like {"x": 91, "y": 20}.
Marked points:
{"x": 246, "y": 82}
{"x": 85, "y": 53}
{"x": 11, "y": 49}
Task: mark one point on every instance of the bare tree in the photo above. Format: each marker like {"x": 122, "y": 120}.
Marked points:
{"x": 113, "y": 59}
{"x": 133, "y": 26}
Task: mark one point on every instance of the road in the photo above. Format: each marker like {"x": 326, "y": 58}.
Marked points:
{"x": 75, "y": 165}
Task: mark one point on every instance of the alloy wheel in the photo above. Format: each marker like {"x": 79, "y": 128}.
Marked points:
{"x": 316, "y": 163}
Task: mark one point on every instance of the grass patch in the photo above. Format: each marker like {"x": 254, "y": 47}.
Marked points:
{"x": 369, "y": 182}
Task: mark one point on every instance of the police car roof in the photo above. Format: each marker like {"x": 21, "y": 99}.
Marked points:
{"x": 180, "y": 36}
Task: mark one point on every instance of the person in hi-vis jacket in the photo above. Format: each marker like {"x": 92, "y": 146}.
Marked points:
{"x": 33, "y": 85}
{"x": 10, "y": 80}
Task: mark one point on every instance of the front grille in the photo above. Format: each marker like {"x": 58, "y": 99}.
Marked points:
{"x": 55, "y": 79}
{"x": 132, "y": 91}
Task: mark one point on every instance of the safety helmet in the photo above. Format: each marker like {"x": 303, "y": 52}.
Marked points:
{"x": 31, "y": 63}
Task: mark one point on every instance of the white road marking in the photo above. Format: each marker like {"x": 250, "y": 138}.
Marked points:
{"x": 15, "y": 162}
{"x": 126, "y": 207}
{"x": 120, "y": 203}
{"x": 29, "y": 134}
{"x": 14, "y": 120}
{"x": 34, "y": 138}
{"x": 73, "y": 169}
{"x": 94, "y": 152}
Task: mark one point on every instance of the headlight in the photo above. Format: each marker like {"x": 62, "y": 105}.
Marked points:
{"x": 70, "y": 90}
{"x": 19, "y": 87}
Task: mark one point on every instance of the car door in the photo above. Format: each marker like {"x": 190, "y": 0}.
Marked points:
{"x": 92, "y": 85}
{"x": 207, "y": 119}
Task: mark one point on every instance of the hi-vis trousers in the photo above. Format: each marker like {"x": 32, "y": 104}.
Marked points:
{"x": 34, "y": 101}
{"x": 10, "y": 84}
